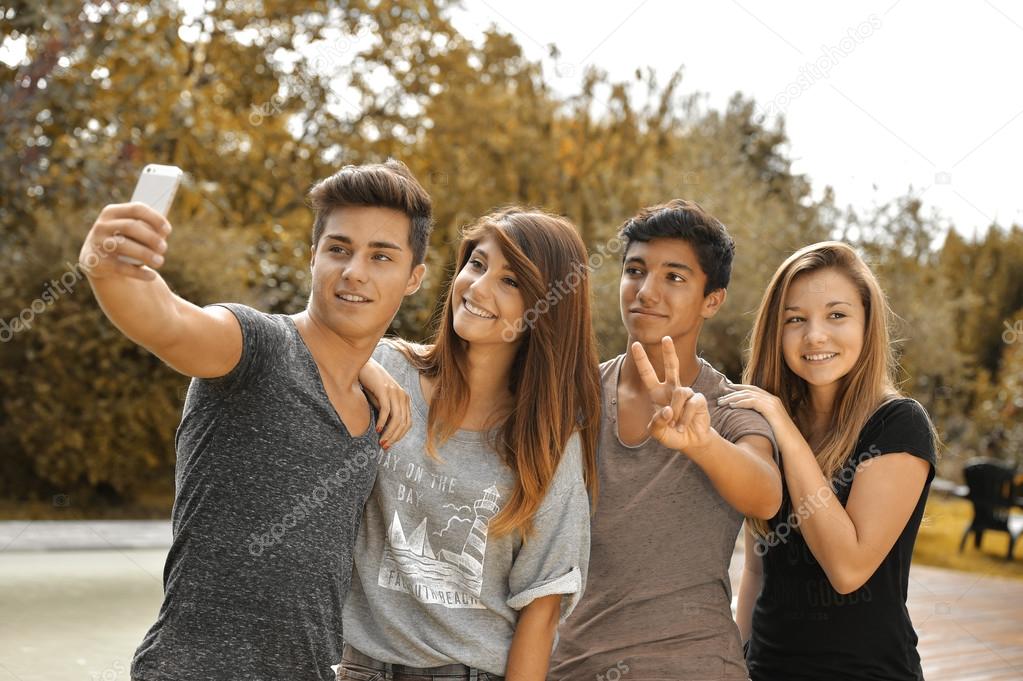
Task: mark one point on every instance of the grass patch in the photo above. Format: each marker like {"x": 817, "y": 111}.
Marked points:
{"x": 937, "y": 544}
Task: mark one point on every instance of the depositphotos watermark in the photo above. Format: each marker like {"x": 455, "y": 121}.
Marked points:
{"x": 54, "y": 290}
{"x": 614, "y": 673}
{"x": 1013, "y": 332}
{"x": 557, "y": 291}
{"x": 305, "y": 503}
{"x": 114, "y": 672}
{"x": 813, "y": 503}
{"x": 812, "y": 72}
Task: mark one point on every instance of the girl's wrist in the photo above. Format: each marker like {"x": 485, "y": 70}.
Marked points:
{"x": 787, "y": 434}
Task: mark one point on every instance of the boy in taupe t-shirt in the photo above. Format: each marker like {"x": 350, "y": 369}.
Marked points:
{"x": 677, "y": 472}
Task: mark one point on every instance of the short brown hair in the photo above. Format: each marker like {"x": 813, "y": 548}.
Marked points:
{"x": 686, "y": 220}
{"x": 382, "y": 185}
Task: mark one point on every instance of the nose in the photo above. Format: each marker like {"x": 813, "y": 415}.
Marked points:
{"x": 647, "y": 294}
{"x": 814, "y": 334}
{"x": 480, "y": 287}
{"x": 355, "y": 271}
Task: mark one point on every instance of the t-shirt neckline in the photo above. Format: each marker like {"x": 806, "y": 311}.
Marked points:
{"x": 611, "y": 400}
{"x": 311, "y": 362}
{"x": 413, "y": 375}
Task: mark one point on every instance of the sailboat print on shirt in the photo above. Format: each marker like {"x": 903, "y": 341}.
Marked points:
{"x": 454, "y": 580}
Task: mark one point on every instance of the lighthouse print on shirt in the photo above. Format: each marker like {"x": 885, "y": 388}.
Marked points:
{"x": 452, "y": 576}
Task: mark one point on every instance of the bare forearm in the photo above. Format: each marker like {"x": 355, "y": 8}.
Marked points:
{"x": 530, "y": 653}
{"x": 749, "y": 589}
{"x": 750, "y": 583}
{"x": 749, "y": 484}
{"x": 203, "y": 343}
{"x": 147, "y": 312}
{"x": 139, "y": 302}
{"x": 848, "y": 540}
{"x": 827, "y": 528}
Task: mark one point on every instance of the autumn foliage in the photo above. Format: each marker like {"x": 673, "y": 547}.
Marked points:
{"x": 257, "y": 100}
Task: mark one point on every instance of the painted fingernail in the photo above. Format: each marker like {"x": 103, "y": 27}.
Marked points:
{"x": 380, "y": 429}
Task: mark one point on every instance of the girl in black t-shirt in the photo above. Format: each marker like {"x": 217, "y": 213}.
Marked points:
{"x": 823, "y": 594}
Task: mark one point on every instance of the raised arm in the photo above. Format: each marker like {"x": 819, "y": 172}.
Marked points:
{"x": 743, "y": 473}
{"x": 849, "y": 542}
{"x": 198, "y": 342}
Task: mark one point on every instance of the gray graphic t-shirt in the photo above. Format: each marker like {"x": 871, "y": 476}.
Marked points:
{"x": 431, "y": 586}
{"x": 270, "y": 489}
{"x": 658, "y": 606}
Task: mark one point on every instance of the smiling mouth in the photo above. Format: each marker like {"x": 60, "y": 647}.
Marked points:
{"x": 352, "y": 298}
{"x": 477, "y": 311}
{"x": 820, "y": 357}
{"x": 646, "y": 313}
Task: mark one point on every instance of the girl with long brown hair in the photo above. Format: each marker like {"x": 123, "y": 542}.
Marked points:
{"x": 475, "y": 540}
{"x": 823, "y": 593}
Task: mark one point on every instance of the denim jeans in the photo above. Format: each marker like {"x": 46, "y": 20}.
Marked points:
{"x": 358, "y": 667}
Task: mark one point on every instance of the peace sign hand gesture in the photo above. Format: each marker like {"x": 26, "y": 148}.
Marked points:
{"x": 682, "y": 420}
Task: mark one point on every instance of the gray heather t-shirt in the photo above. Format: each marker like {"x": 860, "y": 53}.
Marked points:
{"x": 658, "y": 601}
{"x": 270, "y": 490}
{"x": 430, "y": 587}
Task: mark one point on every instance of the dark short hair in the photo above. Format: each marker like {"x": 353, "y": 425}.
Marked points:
{"x": 686, "y": 220}
{"x": 381, "y": 185}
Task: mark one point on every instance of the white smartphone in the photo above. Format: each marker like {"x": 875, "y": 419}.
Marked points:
{"x": 156, "y": 188}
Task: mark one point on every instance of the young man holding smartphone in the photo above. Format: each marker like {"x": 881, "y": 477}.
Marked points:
{"x": 677, "y": 472}
{"x": 277, "y": 442}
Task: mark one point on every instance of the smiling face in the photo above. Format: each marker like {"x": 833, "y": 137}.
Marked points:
{"x": 361, "y": 270}
{"x": 823, "y": 322}
{"x": 485, "y": 297}
{"x": 661, "y": 291}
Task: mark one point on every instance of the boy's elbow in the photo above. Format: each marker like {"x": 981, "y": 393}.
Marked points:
{"x": 769, "y": 504}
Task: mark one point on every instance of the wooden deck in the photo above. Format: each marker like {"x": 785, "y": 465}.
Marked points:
{"x": 970, "y": 625}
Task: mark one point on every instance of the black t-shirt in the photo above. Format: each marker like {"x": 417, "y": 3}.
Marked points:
{"x": 803, "y": 628}
{"x": 270, "y": 491}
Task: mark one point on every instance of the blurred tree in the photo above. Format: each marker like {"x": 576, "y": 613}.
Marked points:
{"x": 258, "y": 100}
{"x": 998, "y": 417}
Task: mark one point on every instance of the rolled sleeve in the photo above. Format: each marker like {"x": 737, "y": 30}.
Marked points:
{"x": 555, "y": 557}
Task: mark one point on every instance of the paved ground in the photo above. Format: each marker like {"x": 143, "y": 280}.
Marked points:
{"x": 970, "y": 625}
{"x": 69, "y": 615}
{"x": 50, "y": 535}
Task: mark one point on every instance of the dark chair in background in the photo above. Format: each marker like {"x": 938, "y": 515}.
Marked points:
{"x": 993, "y": 494}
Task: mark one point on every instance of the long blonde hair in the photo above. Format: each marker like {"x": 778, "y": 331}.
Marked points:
{"x": 555, "y": 378}
{"x": 869, "y": 383}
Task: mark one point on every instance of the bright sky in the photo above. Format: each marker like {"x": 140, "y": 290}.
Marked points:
{"x": 878, "y": 97}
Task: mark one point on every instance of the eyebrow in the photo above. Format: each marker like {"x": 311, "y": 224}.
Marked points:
{"x": 831, "y": 304}
{"x": 669, "y": 265}
{"x": 480, "y": 251}
{"x": 372, "y": 244}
